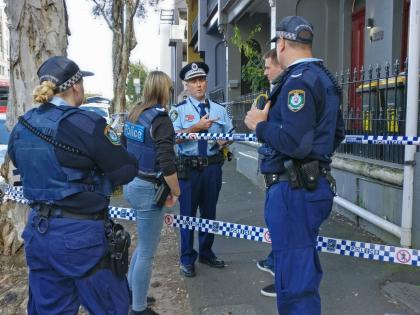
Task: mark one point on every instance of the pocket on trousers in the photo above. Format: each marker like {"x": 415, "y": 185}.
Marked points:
{"x": 80, "y": 240}
{"x": 319, "y": 204}
{"x": 78, "y": 252}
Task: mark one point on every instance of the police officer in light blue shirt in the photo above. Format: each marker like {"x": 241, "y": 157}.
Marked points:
{"x": 299, "y": 132}
{"x": 199, "y": 163}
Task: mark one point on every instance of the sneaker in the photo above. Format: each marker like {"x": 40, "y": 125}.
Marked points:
{"x": 147, "y": 311}
{"x": 264, "y": 266}
{"x": 269, "y": 291}
{"x": 187, "y": 270}
{"x": 150, "y": 300}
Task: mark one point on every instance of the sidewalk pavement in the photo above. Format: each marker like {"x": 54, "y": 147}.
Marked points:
{"x": 350, "y": 285}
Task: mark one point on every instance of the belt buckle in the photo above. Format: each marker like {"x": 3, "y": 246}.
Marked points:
{"x": 194, "y": 163}
{"x": 204, "y": 162}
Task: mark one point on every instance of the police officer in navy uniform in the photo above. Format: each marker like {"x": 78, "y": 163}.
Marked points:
{"x": 300, "y": 128}
{"x": 69, "y": 161}
{"x": 199, "y": 163}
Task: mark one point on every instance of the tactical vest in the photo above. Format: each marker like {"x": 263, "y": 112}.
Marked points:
{"x": 43, "y": 178}
{"x": 326, "y": 119}
{"x": 139, "y": 139}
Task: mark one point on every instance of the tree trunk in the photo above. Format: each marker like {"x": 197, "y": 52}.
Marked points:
{"x": 123, "y": 42}
{"x": 38, "y": 30}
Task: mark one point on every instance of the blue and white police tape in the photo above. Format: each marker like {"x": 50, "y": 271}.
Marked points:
{"x": 218, "y": 136}
{"x": 349, "y": 139}
{"x": 378, "y": 252}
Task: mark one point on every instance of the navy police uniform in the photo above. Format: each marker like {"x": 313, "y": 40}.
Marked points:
{"x": 304, "y": 124}
{"x": 201, "y": 189}
{"x": 69, "y": 194}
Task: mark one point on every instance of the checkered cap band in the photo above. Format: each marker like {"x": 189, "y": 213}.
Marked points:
{"x": 194, "y": 73}
{"x": 70, "y": 82}
{"x": 286, "y": 35}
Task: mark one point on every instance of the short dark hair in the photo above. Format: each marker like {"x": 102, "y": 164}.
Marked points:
{"x": 272, "y": 54}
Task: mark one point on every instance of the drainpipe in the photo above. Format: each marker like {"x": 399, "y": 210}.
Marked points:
{"x": 273, "y": 19}
{"x": 411, "y": 119}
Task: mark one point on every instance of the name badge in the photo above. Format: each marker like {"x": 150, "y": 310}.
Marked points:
{"x": 134, "y": 132}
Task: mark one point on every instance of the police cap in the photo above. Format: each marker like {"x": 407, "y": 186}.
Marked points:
{"x": 295, "y": 28}
{"x": 62, "y": 71}
{"x": 194, "y": 70}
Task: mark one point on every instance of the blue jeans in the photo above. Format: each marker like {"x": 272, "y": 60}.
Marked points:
{"x": 270, "y": 259}
{"x": 139, "y": 194}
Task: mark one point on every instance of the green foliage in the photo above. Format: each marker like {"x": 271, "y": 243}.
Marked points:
{"x": 136, "y": 70}
{"x": 253, "y": 71}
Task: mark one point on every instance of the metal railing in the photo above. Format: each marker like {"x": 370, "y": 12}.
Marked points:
{"x": 373, "y": 103}
{"x": 217, "y": 95}
{"x": 238, "y": 108}
{"x": 211, "y": 4}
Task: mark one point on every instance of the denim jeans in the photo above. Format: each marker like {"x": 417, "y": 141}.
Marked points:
{"x": 139, "y": 194}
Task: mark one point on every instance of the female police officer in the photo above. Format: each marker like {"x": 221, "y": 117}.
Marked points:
{"x": 151, "y": 138}
{"x": 69, "y": 161}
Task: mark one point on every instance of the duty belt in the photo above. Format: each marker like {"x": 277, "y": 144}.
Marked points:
{"x": 149, "y": 177}
{"x": 49, "y": 211}
{"x": 271, "y": 179}
{"x": 198, "y": 162}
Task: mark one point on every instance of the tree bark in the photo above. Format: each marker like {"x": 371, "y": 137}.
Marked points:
{"x": 38, "y": 30}
{"x": 123, "y": 42}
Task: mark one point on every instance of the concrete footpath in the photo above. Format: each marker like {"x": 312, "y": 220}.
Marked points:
{"x": 350, "y": 285}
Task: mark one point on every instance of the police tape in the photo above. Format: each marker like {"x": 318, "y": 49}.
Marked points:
{"x": 349, "y": 139}
{"x": 369, "y": 251}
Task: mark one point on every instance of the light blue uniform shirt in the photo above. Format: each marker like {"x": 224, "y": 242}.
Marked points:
{"x": 58, "y": 101}
{"x": 186, "y": 114}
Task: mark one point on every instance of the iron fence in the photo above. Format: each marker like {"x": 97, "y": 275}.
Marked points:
{"x": 238, "y": 108}
{"x": 373, "y": 103}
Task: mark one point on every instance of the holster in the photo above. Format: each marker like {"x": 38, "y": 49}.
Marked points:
{"x": 118, "y": 244}
{"x": 303, "y": 175}
{"x": 162, "y": 192}
{"x": 183, "y": 168}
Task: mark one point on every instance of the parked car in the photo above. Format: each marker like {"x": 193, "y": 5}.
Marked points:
{"x": 98, "y": 99}
{"x": 101, "y": 109}
{"x": 118, "y": 120}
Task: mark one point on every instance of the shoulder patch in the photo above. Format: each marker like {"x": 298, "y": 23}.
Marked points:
{"x": 296, "y": 100}
{"x": 182, "y": 103}
{"x": 112, "y": 135}
{"x": 173, "y": 114}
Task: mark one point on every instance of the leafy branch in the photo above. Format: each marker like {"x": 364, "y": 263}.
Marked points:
{"x": 253, "y": 71}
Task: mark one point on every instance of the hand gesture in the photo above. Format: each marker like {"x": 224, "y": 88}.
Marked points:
{"x": 255, "y": 116}
{"x": 170, "y": 201}
{"x": 205, "y": 123}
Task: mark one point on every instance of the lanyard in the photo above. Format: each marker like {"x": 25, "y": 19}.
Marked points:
{"x": 205, "y": 101}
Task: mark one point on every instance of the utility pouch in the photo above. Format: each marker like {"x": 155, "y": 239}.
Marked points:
{"x": 293, "y": 173}
{"x": 310, "y": 173}
{"x": 332, "y": 182}
{"x": 118, "y": 243}
{"x": 182, "y": 168}
{"x": 162, "y": 193}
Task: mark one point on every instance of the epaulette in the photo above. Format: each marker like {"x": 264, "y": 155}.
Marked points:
{"x": 179, "y": 104}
